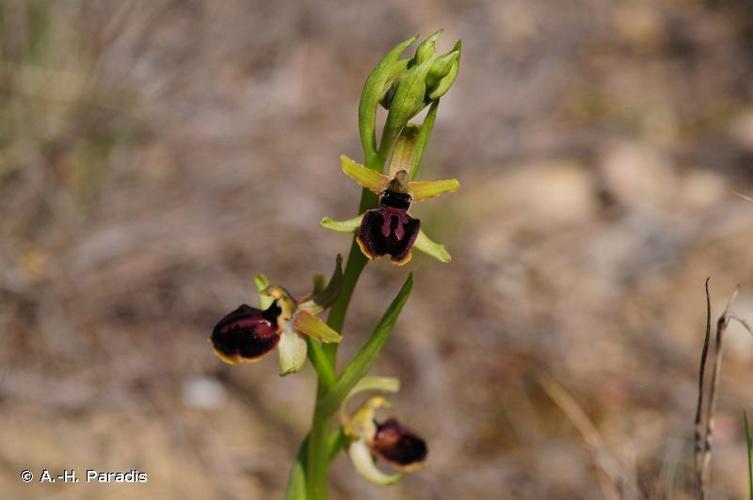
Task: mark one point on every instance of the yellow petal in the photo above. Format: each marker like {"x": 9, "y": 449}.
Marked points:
{"x": 364, "y": 176}
{"x": 308, "y": 324}
{"x": 423, "y": 190}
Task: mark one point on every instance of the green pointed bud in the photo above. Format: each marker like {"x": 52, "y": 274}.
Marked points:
{"x": 441, "y": 67}
{"x": 446, "y": 74}
{"x": 425, "y": 50}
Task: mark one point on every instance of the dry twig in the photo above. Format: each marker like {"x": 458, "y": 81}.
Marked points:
{"x": 610, "y": 470}
{"x": 704, "y": 426}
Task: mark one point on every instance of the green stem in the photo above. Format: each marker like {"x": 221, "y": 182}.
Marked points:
{"x": 321, "y": 427}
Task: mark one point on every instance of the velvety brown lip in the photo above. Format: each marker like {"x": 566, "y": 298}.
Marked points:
{"x": 398, "y": 445}
{"x": 246, "y": 334}
{"x": 388, "y": 231}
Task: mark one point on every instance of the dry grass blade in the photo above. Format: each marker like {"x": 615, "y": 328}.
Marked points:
{"x": 609, "y": 468}
{"x": 704, "y": 427}
{"x": 699, "y": 431}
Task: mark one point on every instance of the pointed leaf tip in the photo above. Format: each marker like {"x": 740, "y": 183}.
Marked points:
{"x": 327, "y": 295}
{"x": 364, "y": 359}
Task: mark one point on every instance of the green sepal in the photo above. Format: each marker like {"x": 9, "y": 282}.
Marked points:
{"x": 343, "y": 226}
{"x": 262, "y": 283}
{"x": 362, "y": 460}
{"x": 431, "y": 248}
{"x": 376, "y": 85}
{"x": 364, "y": 359}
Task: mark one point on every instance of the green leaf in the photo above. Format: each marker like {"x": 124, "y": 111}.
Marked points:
{"x": 376, "y": 85}
{"x": 749, "y": 447}
{"x": 296, "y": 489}
{"x": 342, "y": 226}
{"x": 430, "y": 248}
{"x": 262, "y": 283}
{"x": 362, "y": 362}
{"x": 326, "y": 297}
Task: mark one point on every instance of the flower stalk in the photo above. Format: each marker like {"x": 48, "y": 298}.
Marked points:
{"x": 404, "y": 86}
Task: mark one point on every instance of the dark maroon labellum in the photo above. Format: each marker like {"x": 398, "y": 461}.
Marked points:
{"x": 388, "y": 229}
{"x": 398, "y": 445}
{"x": 246, "y": 333}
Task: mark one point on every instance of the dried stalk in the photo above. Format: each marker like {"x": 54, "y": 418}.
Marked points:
{"x": 609, "y": 469}
{"x": 699, "y": 430}
{"x": 704, "y": 427}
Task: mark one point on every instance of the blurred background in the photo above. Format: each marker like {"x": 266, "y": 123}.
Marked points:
{"x": 156, "y": 154}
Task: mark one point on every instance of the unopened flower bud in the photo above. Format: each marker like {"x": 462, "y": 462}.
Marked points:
{"x": 426, "y": 49}
{"x": 428, "y": 77}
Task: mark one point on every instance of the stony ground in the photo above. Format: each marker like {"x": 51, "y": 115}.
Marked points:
{"x": 154, "y": 155}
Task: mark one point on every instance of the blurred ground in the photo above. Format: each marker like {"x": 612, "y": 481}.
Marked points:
{"x": 154, "y": 155}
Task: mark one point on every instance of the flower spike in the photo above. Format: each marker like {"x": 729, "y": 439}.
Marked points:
{"x": 247, "y": 334}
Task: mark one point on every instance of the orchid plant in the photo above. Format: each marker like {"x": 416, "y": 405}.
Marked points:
{"x": 404, "y": 86}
